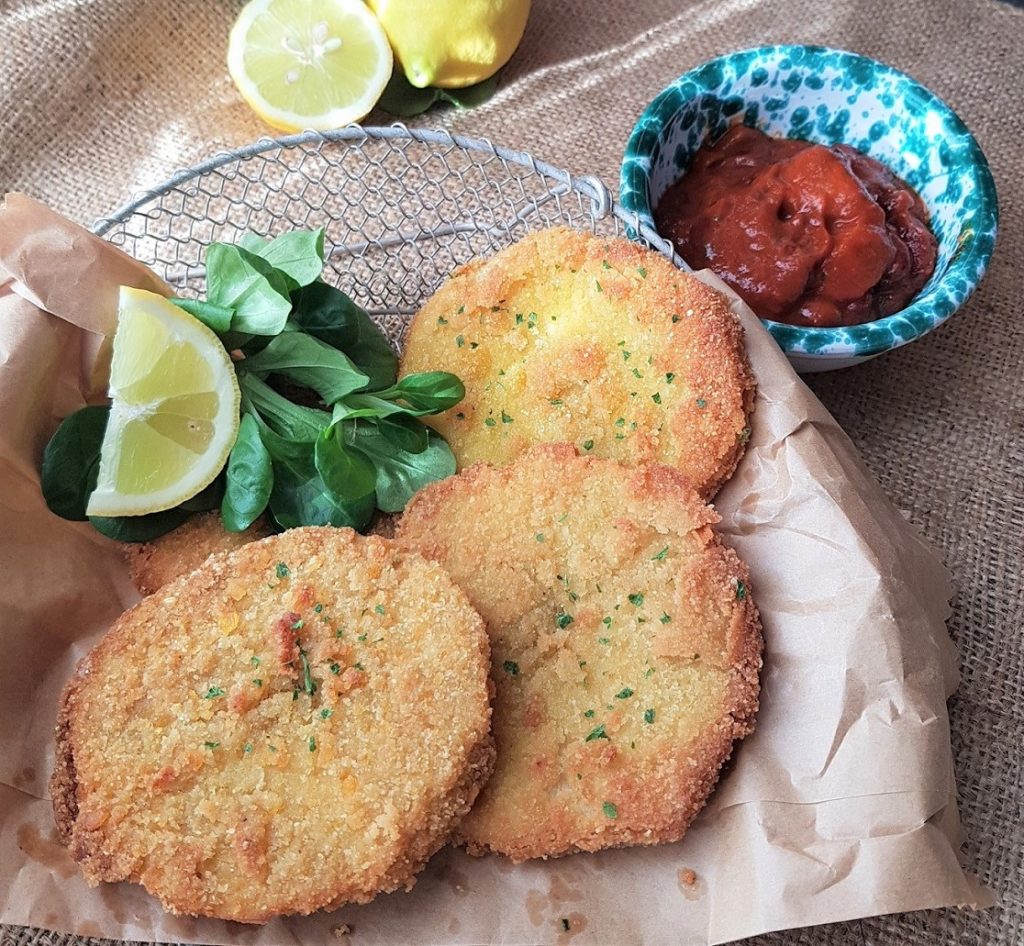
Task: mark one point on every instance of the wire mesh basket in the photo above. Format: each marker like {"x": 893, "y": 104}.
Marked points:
{"x": 402, "y": 208}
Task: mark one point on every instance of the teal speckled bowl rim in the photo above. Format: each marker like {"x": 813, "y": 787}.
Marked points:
{"x": 932, "y": 307}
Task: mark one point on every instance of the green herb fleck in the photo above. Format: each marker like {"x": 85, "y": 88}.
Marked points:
{"x": 648, "y": 672}
{"x": 211, "y": 745}
{"x": 670, "y": 377}
{"x": 621, "y": 422}
{"x": 511, "y": 668}
{"x": 539, "y": 536}
{"x": 247, "y": 747}
{"x": 648, "y": 716}
{"x": 624, "y": 694}
{"x": 741, "y": 590}
{"x": 335, "y": 668}
{"x": 626, "y": 354}
{"x": 358, "y": 666}
{"x": 588, "y": 444}
{"x": 637, "y": 373}
{"x": 607, "y": 620}
{"x": 213, "y": 692}
{"x": 610, "y": 810}
{"x": 531, "y": 320}
{"x": 490, "y": 422}
{"x": 589, "y": 714}
{"x": 744, "y": 435}
{"x": 460, "y": 310}
{"x": 308, "y": 683}
{"x": 598, "y": 284}
{"x": 701, "y": 403}
{"x": 605, "y": 264}
{"x": 283, "y": 571}
{"x": 519, "y": 318}
{"x": 326, "y": 713}
{"x": 660, "y": 556}
{"x": 379, "y": 608}
{"x": 563, "y": 620}
{"x": 656, "y": 397}
{"x": 255, "y": 661}
{"x": 361, "y": 638}
{"x": 555, "y": 401}
{"x": 298, "y": 625}
{"x": 665, "y": 618}
{"x": 257, "y": 682}
{"x": 318, "y": 608}
{"x": 312, "y": 744}
{"x": 675, "y": 318}
{"x": 596, "y": 733}
{"x": 642, "y": 271}
{"x": 441, "y": 320}
{"x": 506, "y": 418}
{"x": 460, "y": 340}
{"x": 636, "y": 600}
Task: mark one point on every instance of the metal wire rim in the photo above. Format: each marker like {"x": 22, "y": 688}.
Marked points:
{"x": 588, "y": 185}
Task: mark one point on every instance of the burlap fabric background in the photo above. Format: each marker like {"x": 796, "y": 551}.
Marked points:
{"x": 100, "y": 98}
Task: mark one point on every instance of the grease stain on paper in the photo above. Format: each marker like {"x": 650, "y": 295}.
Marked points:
{"x": 576, "y": 923}
{"x": 690, "y": 885}
{"x": 47, "y": 851}
{"x": 456, "y": 879}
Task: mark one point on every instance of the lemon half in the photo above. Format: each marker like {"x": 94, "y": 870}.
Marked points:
{"x": 174, "y": 409}
{"x": 316, "y": 64}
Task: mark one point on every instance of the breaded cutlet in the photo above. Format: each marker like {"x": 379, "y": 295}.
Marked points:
{"x": 294, "y": 725}
{"x": 625, "y": 645}
{"x": 570, "y": 337}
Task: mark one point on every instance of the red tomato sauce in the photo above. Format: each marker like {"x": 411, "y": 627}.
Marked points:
{"x": 805, "y": 234}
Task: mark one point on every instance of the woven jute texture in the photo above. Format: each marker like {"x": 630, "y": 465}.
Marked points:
{"x": 100, "y": 98}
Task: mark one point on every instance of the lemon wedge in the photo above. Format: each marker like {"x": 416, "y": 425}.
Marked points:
{"x": 316, "y": 64}
{"x": 174, "y": 409}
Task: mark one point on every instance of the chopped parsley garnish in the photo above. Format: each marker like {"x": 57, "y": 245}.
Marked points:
{"x": 555, "y": 401}
{"x": 596, "y": 733}
{"x": 607, "y": 620}
{"x": 598, "y": 284}
{"x": 588, "y": 444}
{"x": 531, "y": 320}
{"x": 335, "y": 668}
{"x": 741, "y": 590}
{"x": 474, "y": 345}
{"x": 656, "y": 397}
{"x": 379, "y": 608}
{"x": 563, "y": 517}
{"x": 648, "y": 716}
{"x": 621, "y": 422}
{"x": 642, "y": 271}
{"x": 441, "y": 320}
{"x": 247, "y": 747}
{"x": 326, "y": 713}
{"x": 675, "y": 318}
{"x": 563, "y": 620}
{"x": 511, "y": 668}
{"x": 312, "y": 744}
{"x": 624, "y": 694}
{"x": 636, "y": 600}
{"x": 539, "y": 536}
{"x": 460, "y": 310}
{"x": 257, "y": 682}
{"x": 255, "y": 661}
{"x": 358, "y": 666}
{"x": 605, "y": 264}
{"x": 610, "y": 810}
{"x": 213, "y": 692}
{"x": 361, "y": 638}
{"x": 211, "y": 745}
{"x": 506, "y": 418}
{"x": 604, "y": 640}
{"x": 460, "y": 341}
{"x": 648, "y": 671}
{"x": 670, "y": 377}
{"x": 490, "y": 422}
{"x": 626, "y": 354}
{"x": 660, "y": 556}
{"x": 589, "y": 714}
{"x": 298, "y": 625}
{"x": 637, "y": 373}
{"x": 665, "y": 618}
{"x": 701, "y": 403}
{"x": 318, "y": 608}
{"x": 744, "y": 435}
{"x": 283, "y": 571}
{"x": 519, "y": 318}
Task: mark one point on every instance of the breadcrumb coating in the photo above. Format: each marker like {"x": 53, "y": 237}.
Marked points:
{"x": 625, "y": 646}
{"x": 569, "y": 337}
{"x": 295, "y": 725}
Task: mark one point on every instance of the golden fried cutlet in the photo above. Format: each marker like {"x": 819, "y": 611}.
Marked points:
{"x": 295, "y": 725}
{"x": 153, "y": 564}
{"x": 625, "y": 645}
{"x": 568, "y": 337}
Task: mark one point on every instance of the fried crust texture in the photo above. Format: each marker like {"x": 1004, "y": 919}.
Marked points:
{"x": 625, "y": 646}
{"x": 295, "y": 725}
{"x": 569, "y": 337}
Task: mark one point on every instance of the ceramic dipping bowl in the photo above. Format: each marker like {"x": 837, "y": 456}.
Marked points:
{"x": 829, "y": 96}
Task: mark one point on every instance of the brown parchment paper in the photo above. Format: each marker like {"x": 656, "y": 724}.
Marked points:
{"x": 841, "y": 805}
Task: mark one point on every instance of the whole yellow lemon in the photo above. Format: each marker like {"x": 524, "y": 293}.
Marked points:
{"x": 452, "y": 43}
